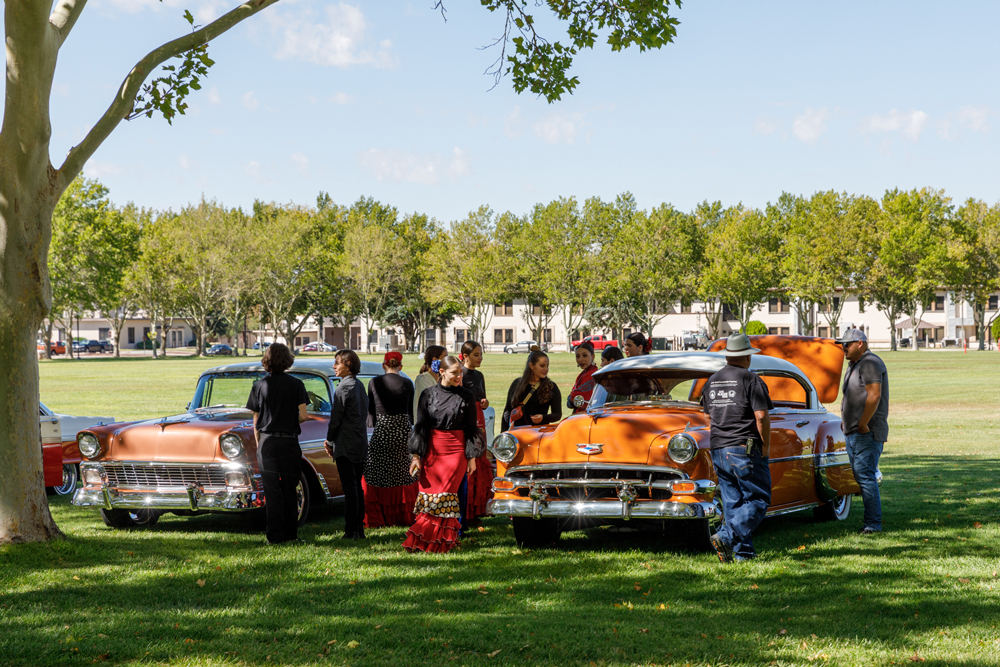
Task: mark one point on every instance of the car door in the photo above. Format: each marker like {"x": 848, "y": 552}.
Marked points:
{"x": 320, "y": 394}
{"x": 793, "y": 436}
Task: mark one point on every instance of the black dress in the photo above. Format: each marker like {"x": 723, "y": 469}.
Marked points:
{"x": 551, "y": 410}
{"x": 480, "y": 488}
{"x": 390, "y": 491}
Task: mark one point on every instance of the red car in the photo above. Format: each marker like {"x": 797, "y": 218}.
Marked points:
{"x": 599, "y": 342}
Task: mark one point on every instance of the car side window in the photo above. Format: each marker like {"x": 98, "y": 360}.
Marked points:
{"x": 787, "y": 393}
{"x": 317, "y": 391}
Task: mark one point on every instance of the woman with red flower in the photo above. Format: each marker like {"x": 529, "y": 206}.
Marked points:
{"x": 583, "y": 389}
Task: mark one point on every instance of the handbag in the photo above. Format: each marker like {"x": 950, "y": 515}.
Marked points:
{"x": 518, "y": 411}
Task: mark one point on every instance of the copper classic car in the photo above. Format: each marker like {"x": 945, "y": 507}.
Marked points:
{"x": 641, "y": 451}
{"x": 205, "y": 459}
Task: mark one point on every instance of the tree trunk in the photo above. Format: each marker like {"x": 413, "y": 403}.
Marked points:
{"x": 48, "y": 340}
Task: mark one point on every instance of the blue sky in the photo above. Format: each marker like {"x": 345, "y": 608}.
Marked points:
{"x": 385, "y": 99}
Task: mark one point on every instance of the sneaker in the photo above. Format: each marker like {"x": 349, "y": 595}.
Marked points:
{"x": 723, "y": 549}
{"x": 868, "y": 530}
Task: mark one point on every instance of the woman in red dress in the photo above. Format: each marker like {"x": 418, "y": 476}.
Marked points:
{"x": 480, "y": 483}
{"x": 444, "y": 445}
{"x": 583, "y": 389}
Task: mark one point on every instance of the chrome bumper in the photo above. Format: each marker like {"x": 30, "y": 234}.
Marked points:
{"x": 192, "y": 498}
{"x": 600, "y": 509}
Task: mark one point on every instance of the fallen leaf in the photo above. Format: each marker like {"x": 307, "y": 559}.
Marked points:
{"x": 352, "y": 582}
{"x": 721, "y": 637}
{"x": 964, "y": 581}
{"x": 916, "y": 658}
{"x": 494, "y": 654}
{"x": 76, "y": 578}
{"x": 977, "y": 525}
{"x": 704, "y": 636}
{"x": 815, "y": 637}
{"x": 644, "y": 630}
{"x": 662, "y": 606}
{"x": 637, "y": 587}
{"x": 200, "y": 582}
{"x": 483, "y": 592}
{"x": 353, "y": 644}
{"x": 782, "y": 631}
{"x": 177, "y": 626}
{"x": 332, "y": 641}
{"x": 482, "y": 529}
{"x": 801, "y": 548}
{"x": 754, "y": 587}
{"x": 377, "y": 627}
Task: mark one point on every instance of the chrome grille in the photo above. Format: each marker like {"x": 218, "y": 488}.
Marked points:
{"x": 144, "y": 476}
{"x": 645, "y": 474}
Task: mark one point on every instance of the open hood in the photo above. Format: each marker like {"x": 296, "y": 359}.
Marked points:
{"x": 821, "y": 359}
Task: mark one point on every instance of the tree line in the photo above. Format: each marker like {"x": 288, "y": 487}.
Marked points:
{"x": 600, "y": 264}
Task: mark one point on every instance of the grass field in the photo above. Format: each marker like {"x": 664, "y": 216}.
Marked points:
{"x": 201, "y": 591}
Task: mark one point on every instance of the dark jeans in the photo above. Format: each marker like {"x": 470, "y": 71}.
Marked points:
{"x": 354, "y": 495}
{"x": 280, "y": 461}
{"x": 864, "y": 451}
{"x": 745, "y": 488}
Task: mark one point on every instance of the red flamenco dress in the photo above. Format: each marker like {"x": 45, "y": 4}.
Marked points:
{"x": 582, "y": 389}
{"x": 481, "y": 481}
{"x": 445, "y": 436}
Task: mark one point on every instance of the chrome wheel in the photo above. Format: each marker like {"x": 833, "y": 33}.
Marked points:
{"x": 837, "y": 509}
{"x": 70, "y": 475}
{"x": 302, "y": 499}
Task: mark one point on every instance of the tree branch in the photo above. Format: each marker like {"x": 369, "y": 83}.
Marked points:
{"x": 64, "y": 17}
{"x": 122, "y": 104}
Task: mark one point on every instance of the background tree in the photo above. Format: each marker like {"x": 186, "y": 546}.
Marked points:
{"x": 330, "y": 295}
{"x": 531, "y": 275}
{"x": 707, "y": 216}
{"x": 974, "y": 260}
{"x": 743, "y": 261}
{"x": 115, "y": 248}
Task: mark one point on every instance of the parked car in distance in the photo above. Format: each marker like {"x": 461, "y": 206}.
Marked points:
{"x": 599, "y": 342}
{"x": 641, "y": 451}
{"x": 107, "y": 346}
{"x": 260, "y": 346}
{"x": 524, "y": 346}
{"x": 318, "y": 346}
{"x": 57, "y": 346}
{"x": 694, "y": 340}
{"x": 204, "y": 460}
{"x": 219, "y": 350}
{"x": 59, "y": 432}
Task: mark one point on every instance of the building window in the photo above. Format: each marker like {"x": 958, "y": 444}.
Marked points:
{"x": 508, "y": 335}
{"x": 727, "y": 313}
{"x": 823, "y": 332}
{"x": 938, "y": 333}
{"x": 825, "y": 307}
{"x": 784, "y": 331}
{"x": 506, "y": 308}
{"x": 992, "y": 305}
{"x": 131, "y": 335}
{"x": 777, "y": 306}
{"x": 547, "y": 335}
{"x": 430, "y": 336}
{"x": 498, "y": 336}
{"x": 938, "y": 304}
{"x": 772, "y": 331}
{"x": 103, "y": 334}
{"x": 145, "y": 333}
{"x": 686, "y": 308}
{"x": 459, "y": 336}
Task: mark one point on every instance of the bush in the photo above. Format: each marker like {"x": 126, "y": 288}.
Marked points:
{"x": 147, "y": 345}
{"x": 995, "y": 329}
{"x": 756, "y": 328}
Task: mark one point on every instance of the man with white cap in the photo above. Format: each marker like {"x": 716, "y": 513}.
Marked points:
{"x": 864, "y": 414}
{"x": 737, "y": 402}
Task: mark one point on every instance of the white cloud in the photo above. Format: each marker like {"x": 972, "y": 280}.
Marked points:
{"x": 340, "y": 41}
{"x": 809, "y": 126}
{"x": 186, "y": 164}
{"x": 910, "y": 123}
{"x": 254, "y": 171}
{"x": 250, "y": 100}
{"x": 765, "y": 126}
{"x": 403, "y": 167}
{"x": 94, "y": 169}
{"x": 559, "y": 128}
{"x": 975, "y": 118}
{"x": 213, "y": 95}
{"x": 206, "y": 12}
{"x": 512, "y": 123}
{"x": 301, "y": 164}
{"x": 341, "y": 98}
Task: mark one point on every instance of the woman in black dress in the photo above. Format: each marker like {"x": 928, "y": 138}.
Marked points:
{"x": 390, "y": 490}
{"x": 480, "y": 485}
{"x": 278, "y": 402}
{"x": 533, "y": 399}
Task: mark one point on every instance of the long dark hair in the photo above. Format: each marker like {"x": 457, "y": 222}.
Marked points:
{"x": 612, "y": 353}
{"x": 641, "y": 342}
{"x": 432, "y": 353}
{"x": 544, "y": 392}
{"x": 468, "y": 347}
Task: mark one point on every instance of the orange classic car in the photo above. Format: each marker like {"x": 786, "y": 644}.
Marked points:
{"x": 641, "y": 451}
{"x": 205, "y": 459}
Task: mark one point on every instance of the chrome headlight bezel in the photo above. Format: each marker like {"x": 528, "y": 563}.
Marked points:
{"x": 89, "y": 445}
{"x": 682, "y": 448}
{"x": 231, "y": 445}
{"x": 504, "y": 447}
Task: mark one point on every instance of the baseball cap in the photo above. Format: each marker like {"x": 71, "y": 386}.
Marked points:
{"x": 852, "y": 336}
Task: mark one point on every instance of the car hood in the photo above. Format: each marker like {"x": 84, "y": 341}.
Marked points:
{"x": 191, "y": 437}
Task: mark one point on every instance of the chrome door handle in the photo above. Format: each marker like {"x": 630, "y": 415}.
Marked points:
{"x": 801, "y": 423}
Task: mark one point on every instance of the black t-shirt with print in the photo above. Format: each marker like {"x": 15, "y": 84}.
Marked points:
{"x": 730, "y": 397}
{"x": 276, "y": 399}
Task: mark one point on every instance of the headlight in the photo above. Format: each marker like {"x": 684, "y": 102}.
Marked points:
{"x": 89, "y": 445}
{"x": 682, "y": 448}
{"x": 232, "y": 445}
{"x": 504, "y": 447}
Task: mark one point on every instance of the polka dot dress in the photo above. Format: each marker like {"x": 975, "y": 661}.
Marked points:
{"x": 388, "y": 463}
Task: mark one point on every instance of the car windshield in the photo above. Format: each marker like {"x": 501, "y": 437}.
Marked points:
{"x": 648, "y": 387}
{"x": 232, "y": 389}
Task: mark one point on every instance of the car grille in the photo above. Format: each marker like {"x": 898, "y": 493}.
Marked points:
{"x": 582, "y": 473}
{"x": 140, "y": 476}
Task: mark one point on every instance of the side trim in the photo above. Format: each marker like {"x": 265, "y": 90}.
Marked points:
{"x": 790, "y": 458}
{"x": 791, "y": 510}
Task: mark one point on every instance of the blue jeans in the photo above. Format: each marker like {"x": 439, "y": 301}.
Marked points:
{"x": 864, "y": 451}
{"x": 745, "y": 488}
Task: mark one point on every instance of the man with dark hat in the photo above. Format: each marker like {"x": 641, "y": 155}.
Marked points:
{"x": 864, "y": 414}
{"x": 737, "y": 402}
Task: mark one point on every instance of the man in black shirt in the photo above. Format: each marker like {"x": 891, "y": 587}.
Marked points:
{"x": 278, "y": 402}
{"x": 737, "y": 402}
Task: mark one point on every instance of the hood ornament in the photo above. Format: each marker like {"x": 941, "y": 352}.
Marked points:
{"x": 163, "y": 423}
{"x": 590, "y": 449}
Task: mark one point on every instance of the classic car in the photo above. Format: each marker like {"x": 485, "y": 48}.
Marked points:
{"x": 205, "y": 459}
{"x": 59, "y": 433}
{"x": 641, "y": 451}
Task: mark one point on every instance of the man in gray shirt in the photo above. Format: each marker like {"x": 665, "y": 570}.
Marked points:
{"x": 864, "y": 413}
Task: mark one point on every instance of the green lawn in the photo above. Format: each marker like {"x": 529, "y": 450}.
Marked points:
{"x": 202, "y": 591}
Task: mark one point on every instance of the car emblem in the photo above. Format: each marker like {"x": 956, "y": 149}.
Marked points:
{"x": 590, "y": 450}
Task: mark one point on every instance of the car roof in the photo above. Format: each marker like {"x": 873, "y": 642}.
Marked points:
{"x": 708, "y": 362}
{"x": 322, "y": 367}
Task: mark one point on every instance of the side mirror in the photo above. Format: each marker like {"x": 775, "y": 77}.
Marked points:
{"x": 188, "y": 406}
